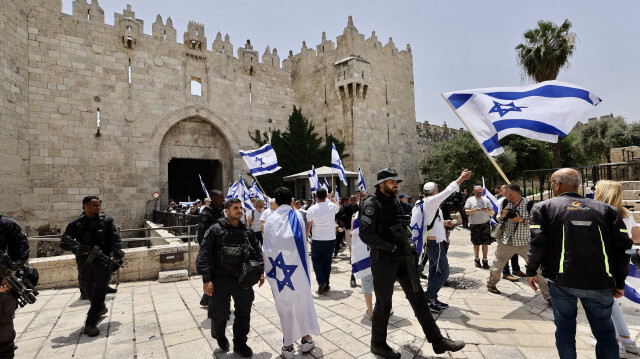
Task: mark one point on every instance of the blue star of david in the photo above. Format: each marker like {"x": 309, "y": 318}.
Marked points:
{"x": 259, "y": 161}
{"x": 339, "y": 162}
{"x": 287, "y": 270}
{"x": 503, "y": 109}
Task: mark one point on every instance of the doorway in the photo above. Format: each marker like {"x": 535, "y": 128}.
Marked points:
{"x": 184, "y": 182}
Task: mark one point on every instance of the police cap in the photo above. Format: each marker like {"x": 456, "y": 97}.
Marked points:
{"x": 387, "y": 174}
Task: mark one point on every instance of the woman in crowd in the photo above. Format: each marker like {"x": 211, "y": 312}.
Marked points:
{"x": 610, "y": 192}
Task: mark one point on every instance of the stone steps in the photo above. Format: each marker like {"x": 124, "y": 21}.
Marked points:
{"x": 631, "y": 194}
{"x": 630, "y": 185}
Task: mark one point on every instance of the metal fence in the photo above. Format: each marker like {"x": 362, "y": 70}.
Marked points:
{"x": 174, "y": 220}
{"x": 537, "y": 182}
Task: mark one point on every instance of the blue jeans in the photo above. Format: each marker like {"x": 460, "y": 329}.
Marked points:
{"x": 321, "y": 252}
{"x": 438, "y": 268}
{"x": 597, "y": 306}
{"x": 514, "y": 265}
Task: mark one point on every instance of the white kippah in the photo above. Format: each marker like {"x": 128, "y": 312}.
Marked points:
{"x": 429, "y": 186}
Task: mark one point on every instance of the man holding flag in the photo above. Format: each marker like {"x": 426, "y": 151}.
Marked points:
{"x": 287, "y": 271}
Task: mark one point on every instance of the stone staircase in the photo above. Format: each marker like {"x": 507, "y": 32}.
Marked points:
{"x": 631, "y": 197}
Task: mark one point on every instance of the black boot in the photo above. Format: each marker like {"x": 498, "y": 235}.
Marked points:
{"x": 243, "y": 349}
{"x": 385, "y": 351}
{"x": 448, "y": 345}
{"x": 204, "y": 301}
{"x": 91, "y": 330}
{"x": 111, "y": 290}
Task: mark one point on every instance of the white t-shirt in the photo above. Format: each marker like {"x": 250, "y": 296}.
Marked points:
{"x": 477, "y": 217}
{"x": 629, "y": 222}
{"x": 256, "y": 224}
{"x": 265, "y": 214}
{"x": 323, "y": 218}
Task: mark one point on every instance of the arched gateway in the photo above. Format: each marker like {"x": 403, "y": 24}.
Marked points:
{"x": 191, "y": 142}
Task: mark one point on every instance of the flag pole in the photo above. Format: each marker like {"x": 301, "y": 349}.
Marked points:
{"x": 495, "y": 164}
{"x": 258, "y": 182}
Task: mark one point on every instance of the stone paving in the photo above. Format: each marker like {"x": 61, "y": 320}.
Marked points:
{"x": 154, "y": 320}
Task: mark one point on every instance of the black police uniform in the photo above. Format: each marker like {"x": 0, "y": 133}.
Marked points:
{"x": 377, "y": 214}
{"x": 216, "y": 264}
{"x": 94, "y": 277}
{"x": 14, "y": 242}
{"x": 207, "y": 218}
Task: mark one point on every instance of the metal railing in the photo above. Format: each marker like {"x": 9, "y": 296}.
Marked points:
{"x": 168, "y": 219}
{"x": 186, "y": 235}
{"x": 537, "y": 182}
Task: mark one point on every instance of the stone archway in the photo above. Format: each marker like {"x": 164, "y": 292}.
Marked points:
{"x": 194, "y": 133}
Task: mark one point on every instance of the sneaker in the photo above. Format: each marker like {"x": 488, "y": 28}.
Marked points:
{"x": 630, "y": 346}
{"x": 366, "y": 314}
{"x": 353, "y": 281}
{"x": 477, "y": 261}
{"x": 321, "y": 288}
{"x": 385, "y": 351}
{"x": 519, "y": 273}
{"x": 485, "y": 263}
{"x": 243, "y": 350}
{"x": 111, "y": 290}
{"x": 204, "y": 301}
{"x": 307, "y": 345}
{"x": 510, "y": 277}
{"x": 287, "y": 353}
{"x": 448, "y": 345}
{"x": 433, "y": 307}
{"x": 440, "y": 304}
{"x": 493, "y": 289}
{"x": 223, "y": 342}
{"x": 91, "y": 330}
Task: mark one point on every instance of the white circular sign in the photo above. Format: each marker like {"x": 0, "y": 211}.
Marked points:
{"x": 156, "y": 195}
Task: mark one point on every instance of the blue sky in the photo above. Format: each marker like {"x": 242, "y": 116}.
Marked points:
{"x": 456, "y": 45}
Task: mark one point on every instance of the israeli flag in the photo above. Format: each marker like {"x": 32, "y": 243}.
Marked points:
{"x": 243, "y": 194}
{"x": 255, "y": 192}
{"x": 336, "y": 163}
{"x": 261, "y": 161}
{"x": 491, "y": 198}
{"x": 287, "y": 271}
{"x": 231, "y": 193}
{"x": 360, "y": 257}
{"x": 542, "y": 111}
{"x": 206, "y": 193}
{"x": 313, "y": 180}
{"x": 361, "y": 186}
{"x": 417, "y": 229}
{"x": 325, "y": 185}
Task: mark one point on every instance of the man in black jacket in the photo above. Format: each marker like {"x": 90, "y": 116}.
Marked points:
{"x": 377, "y": 215}
{"x": 14, "y": 242}
{"x": 94, "y": 228}
{"x": 579, "y": 244}
{"x": 220, "y": 259}
{"x": 211, "y": 212}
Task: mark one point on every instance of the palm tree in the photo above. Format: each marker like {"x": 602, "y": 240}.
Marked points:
{"x": 546, "y": 50}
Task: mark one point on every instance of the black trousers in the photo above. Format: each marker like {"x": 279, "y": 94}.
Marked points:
{"x": 94, "y": 280}
{"x": 8, "y": 306}
{"x": 226, "y": 287}
{"x": 386, "y": 271}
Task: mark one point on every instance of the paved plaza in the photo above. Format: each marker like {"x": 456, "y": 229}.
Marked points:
{"x": 154, "y": 320}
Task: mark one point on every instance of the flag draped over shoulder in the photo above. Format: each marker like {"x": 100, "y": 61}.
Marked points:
{"x": 360, "y": 257}
{"x": 206, "y": 193}
{"x": 417, "y": 229}
{"x": 287, "y": 272}
{"x": 313, "y": 180}
{"x": 336, "y": 163}
{"x": 261, "y": 161}
{"x": 361, "y": 186}
{"x": 542, "y": 111}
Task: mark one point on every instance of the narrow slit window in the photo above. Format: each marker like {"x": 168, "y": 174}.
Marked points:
{"x": 196, "y": 86}
{"x": 88, "y": 14}
{"x": 98, "y": 117}
{"x": 129, "y": 70}
{"x": 250, "y": 94}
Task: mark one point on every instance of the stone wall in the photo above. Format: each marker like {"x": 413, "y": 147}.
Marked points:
{"x": 100, "y": 109}
{"x": 430, "y": 135}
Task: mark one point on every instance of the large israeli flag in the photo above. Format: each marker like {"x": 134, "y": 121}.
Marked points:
{"x": 417, "y": 229}
{"x": 361, "y": 186}
{"x": 542, "y": 111}
{"x": 288, "y": 274}
{"x": 261, "y": 161}
{"x": 313, "y": 180}
{"x": 336, "y": 163}
{"x": 360, "y": 257}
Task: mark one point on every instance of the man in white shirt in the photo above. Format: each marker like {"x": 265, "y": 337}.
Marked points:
{"x": 322, "y": 218}
{"x": 479, "y": 212}
{"x": 267, "y": 212}
{"x": 438, "y": 262}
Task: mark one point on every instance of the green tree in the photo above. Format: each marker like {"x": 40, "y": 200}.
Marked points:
{"x": 531, "y": 154}
{"x": 545, "y": 50}
{"x": 597, "y": 137}
{"x": 298, "y": 147}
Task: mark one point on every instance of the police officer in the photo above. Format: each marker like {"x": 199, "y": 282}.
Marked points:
{"x": 14, "y": 242}
{"x": 94, "y": 228}
{"x": 208, "y": 216}
{"x": 220, "y": 259}
{"x": 377, "y": 215}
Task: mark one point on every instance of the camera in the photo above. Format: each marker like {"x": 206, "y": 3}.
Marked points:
{"x": 511, "y": 213}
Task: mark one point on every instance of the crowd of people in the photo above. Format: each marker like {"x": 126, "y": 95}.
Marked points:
{"x": 574, "y": 248}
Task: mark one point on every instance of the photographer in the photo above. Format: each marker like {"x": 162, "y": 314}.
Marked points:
{"x": 515, "y": 236}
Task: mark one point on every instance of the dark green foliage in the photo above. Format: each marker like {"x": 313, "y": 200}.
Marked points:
{"x": 599, "y": 136}
{"x": 298, "y": 147}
